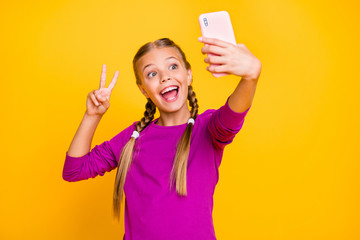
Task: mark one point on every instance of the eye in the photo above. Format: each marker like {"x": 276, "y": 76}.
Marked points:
{"x": 174, "y": 66}
{"x": 151, "y": 74}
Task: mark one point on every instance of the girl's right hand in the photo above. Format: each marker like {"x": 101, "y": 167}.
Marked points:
{"x": 97, "y": 102}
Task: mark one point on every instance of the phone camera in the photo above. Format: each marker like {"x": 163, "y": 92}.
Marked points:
{"x": 205, "y": 22}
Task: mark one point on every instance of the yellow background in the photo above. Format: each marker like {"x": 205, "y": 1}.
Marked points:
{"x": 291, "y": 173}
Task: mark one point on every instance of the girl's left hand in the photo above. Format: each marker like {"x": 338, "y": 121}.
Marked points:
{"x": 232, "y": 59}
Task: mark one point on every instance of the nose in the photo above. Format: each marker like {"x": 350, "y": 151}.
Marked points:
{"x": 165, "y": 78}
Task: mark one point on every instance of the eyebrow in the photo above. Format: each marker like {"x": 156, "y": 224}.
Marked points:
{"x": 165, "y": 59}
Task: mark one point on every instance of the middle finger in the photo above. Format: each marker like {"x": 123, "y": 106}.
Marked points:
{"x": 215, "y": 60}
{"x": 213, "y": 49}
{"x": 113, "y": 81}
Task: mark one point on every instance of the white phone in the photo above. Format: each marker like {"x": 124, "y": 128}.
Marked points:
{"x": 217, "y": 25}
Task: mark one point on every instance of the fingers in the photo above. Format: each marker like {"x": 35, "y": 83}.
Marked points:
{"x": 93, "y": 99}
{"x": 217, "y": 68}
{"x": 215, "y": 60}
{"x": 214, "y": 41}
{"x": 213, "y": 49}
{"x": 103, "y": 77}
{"x": 97, "y": 98}
{"x": 113, "y": 81}
{"x": 100, "y": 96}
{"x": 106, "y": 104}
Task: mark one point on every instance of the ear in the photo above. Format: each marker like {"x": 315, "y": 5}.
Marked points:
{"x": 143, "y": 91}
{"x": 189, "y": 77}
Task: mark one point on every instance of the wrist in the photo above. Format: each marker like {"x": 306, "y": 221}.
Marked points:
{"x": 92, "y": 117}
{"x": 254, "y": 73}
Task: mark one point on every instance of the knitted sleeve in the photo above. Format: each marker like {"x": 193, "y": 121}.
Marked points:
{"x": 224, "y": 124}
{"x": 102, "y": 158}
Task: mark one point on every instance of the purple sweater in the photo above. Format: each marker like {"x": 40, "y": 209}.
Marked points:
{"x": 152, "y": 211}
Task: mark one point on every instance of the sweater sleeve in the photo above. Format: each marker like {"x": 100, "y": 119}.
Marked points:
{"x": 102, "y": 158}
{"x": 224, "y": 124}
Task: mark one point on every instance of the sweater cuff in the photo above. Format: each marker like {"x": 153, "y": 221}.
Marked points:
{"x": 76, "y": 158}
{"x": 231, "y": 119}
{"x": 71, "y": 166}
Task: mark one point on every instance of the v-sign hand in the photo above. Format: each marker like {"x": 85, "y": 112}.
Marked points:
{"x": 98, "y": 100}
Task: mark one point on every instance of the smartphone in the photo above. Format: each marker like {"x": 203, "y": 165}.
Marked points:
{"x": 217, "y": 25}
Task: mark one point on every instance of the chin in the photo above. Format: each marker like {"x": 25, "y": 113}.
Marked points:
{"x": 175, "y": 106}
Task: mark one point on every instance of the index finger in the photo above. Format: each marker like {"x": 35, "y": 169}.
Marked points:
{"x": 214, "y": 41}
{"x": 113, "y": 81}
{"x": 103, "y": 76}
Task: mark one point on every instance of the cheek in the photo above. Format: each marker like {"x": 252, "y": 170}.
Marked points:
{"x": 185, "y": 91}
{"x": 181, "y": 76}
{"x": 153, "y": 88}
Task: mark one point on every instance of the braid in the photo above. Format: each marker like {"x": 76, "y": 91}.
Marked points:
{"x": 148, "y": 115}
{"x": 179, "y": 169}
{"x": 193, "y": 102}
{"x": 126, "y": 158}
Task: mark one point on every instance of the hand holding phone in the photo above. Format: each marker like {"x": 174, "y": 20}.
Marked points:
{"x": 217, "y": 25}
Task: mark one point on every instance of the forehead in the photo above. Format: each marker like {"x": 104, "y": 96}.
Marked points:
{"x": 158, "y": 55}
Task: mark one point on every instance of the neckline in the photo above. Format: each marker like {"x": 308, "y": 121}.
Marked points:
{"x": 167, "y": 127}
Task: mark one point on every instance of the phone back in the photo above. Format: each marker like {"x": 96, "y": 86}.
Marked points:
{"x": 217, "y": 25}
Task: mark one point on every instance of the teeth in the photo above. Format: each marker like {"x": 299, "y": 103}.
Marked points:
{"x": 168, "y": 89}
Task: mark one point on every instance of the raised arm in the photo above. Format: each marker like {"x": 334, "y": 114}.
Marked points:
{"x": 236, "y": 60}
{"x": 97, "y": 104}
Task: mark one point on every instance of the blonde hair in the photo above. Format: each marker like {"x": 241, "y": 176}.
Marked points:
{"x": 178, "y": 172}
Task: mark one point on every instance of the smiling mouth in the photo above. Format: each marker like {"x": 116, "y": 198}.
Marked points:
{"x": 170, "y": 94}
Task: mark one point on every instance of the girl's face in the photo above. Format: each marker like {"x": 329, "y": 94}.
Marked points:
{"x": 164, "y": 78}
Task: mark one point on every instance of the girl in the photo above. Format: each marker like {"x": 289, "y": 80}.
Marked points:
{"x": 167, "y": 167}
